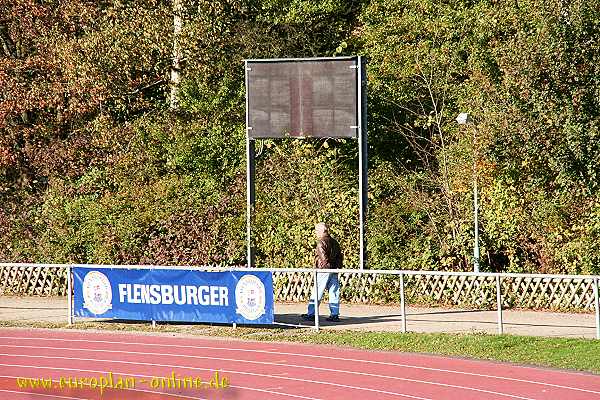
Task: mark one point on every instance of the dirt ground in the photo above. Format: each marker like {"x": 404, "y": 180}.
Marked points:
{"x": 362, "y": 317}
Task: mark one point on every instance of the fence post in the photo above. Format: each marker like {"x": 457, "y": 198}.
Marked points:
{"x": 153, "y": 321}
{"x": 316, "y": 300}
{"x": 69, "y": 298}
{"x": 499, "y": 300}
{"x": 402, "y": 305}
{"x": 596, "y": 281}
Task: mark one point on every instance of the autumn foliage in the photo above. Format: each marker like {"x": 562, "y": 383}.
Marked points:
{"x": 97, "y": 165}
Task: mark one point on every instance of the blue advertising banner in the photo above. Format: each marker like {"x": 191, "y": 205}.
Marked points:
{"x": 174, "y": 295}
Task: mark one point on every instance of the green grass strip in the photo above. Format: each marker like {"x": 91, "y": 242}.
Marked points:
{"x": 573, "y": 354}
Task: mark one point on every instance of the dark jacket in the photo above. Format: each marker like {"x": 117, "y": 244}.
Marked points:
{"x": 328, "y": 254}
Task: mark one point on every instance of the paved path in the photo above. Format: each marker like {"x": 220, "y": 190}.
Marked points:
{"x": 362, "y": 317}
{"x": 388, "y": 318}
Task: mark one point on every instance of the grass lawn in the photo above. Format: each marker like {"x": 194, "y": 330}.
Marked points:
{"x": 574, "y": 354}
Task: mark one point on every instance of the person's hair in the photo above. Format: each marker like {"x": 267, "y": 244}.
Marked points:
{"x": 322, "y": 226}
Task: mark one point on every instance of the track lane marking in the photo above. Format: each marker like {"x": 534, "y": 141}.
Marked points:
{"x": 149, "y": 376}
{"x": 330, "y": 358}
{"x": 283, "y": 377}
{"x": 207, "y": 369}
{"x": 267, "y": 390}
{"x": 87, "y": 384}
{"x": 254, "y": 362}
{"x": 54, "y": 396}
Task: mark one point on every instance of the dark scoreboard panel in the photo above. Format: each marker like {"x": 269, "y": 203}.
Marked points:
{"x": 303, "y": 98}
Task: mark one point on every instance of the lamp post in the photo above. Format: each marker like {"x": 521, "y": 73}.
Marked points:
{"x": 465, "y": 119}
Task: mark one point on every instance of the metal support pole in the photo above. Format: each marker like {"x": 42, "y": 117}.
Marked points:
{"x": 499, "y": 301}
{"x": 363, "y": 185}
{"x": 475, "y": 205}
{"x": 316, "y": 300}
{"x": 402, "y": 305}
{"x": 153, "y": 324}
{"x": 596, "y": 282}
{"x": 69, "y": 296}
{"x": 234, "y": 325}
{"x": 250, "y": 172}
{"x": 250, "y": 198}
{"x": 476, "y": 217}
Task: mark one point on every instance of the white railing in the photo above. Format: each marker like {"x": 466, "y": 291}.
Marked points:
{"x": 593, "y": 281}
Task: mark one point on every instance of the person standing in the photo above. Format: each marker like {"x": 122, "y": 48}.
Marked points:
{"x": 328, "y": 255}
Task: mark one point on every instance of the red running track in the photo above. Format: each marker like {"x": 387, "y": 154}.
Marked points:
{"x": 258, "y": 370}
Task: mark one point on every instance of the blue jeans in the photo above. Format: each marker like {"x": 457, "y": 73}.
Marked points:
{"x": 329, "y": 281}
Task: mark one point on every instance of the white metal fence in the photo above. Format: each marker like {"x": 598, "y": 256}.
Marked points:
{"x": 578, "y": 289}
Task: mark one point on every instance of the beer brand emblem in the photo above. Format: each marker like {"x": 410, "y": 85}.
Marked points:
{"x": 250, "y": 297}
{"x": 97, "y": 292}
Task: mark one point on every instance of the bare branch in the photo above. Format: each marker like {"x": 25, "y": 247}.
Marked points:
{"x": 10, "y": 50}
{"x": 148, "y": 86}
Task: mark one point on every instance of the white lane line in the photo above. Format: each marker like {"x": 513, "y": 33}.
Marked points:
{"x": 234, "y": 360}
{"x": 150, "y": 377}
{"x": 267, "y": 390}
{"x": 284, "y": 377}
{"x": 270, "y": 391}
{"x": 106, "y": 389}
{"x": 207, "y": 369}
{"x": 328, "y": 358}
{"x": 153, "y": 376}
{"x": 54, "y": 396}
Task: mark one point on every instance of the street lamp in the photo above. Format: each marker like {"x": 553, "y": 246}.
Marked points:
{"x": 465, "y": 119}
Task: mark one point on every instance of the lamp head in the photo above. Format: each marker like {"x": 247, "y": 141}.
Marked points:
{"x": 463, "y": 119}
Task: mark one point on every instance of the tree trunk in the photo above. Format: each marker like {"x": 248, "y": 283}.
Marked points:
{"x": 10, "y": 50}
{"x": 176, "y": 66}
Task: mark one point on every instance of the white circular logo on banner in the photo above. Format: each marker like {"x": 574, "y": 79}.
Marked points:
{"x": 250, "y": 297}
{"x": 97, "y": 292}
